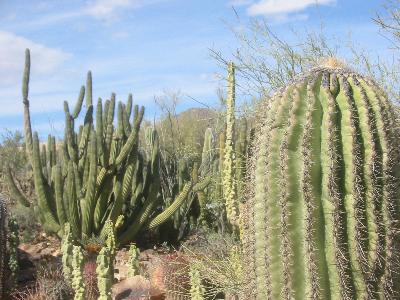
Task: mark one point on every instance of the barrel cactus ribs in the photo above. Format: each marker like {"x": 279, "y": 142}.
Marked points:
{"x": 323, "y": 215}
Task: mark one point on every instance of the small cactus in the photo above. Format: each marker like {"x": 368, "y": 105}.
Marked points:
{"x": 78, "y": 283}
{"x": 196, "y": 286}
{"x": 133, "y": 263}
{"x": 13, "y": 242}
{"x": 104, "y": 270}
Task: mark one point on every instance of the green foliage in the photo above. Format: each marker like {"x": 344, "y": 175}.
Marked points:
{"x": 322, "y": 216}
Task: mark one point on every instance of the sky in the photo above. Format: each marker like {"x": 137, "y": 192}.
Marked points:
{"x": 144, "y": 47}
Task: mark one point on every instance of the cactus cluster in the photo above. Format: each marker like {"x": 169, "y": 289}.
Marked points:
{"x": 98, "y": 172}
{"x": 322, "y": 220}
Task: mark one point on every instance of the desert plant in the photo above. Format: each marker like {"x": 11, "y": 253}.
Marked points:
{"x": 322, "y": 221}
{"x": 78, "y": 282}
{"x": 103, "y": 270}
{"x": 133, "y": 263}
{"x": 90, "y": 179}
{"x": 13, "y": 242}
{"x": 196, "y": 285}
{"x": 229, "y": 182}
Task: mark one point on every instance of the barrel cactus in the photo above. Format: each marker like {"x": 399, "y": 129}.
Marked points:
{"x": 322, "y": 220}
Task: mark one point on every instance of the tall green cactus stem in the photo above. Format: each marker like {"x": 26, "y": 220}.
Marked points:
{"x": 104, "y": 269}
{"x": 229, "y": 184}
{"x": 78, "y": 283}
{"x": 323, "y": 220}
{"x": 25, "y": 101}
{"x": 133, "y": 262}
{"x": 241, "y": 157}
{"x": 3, "y": 245}
{"x": 13, "y": 242}
{"x": 14, "y": 190}
{"x": 66, "y": 250}
{"x": 197, "y": 290}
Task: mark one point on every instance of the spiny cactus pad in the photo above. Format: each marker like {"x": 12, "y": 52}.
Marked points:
{"x": 323, "y": 215}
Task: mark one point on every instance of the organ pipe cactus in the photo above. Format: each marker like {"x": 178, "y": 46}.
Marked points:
{"x": 323, "y": 219}
{"x": 98, "y": 172}
{"x": 229, "y": 185}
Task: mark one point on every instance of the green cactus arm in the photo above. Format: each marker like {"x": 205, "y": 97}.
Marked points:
{"x": 49, "y": 155}
{"x": 69, "y": 134}
{"x": 120, "y": 121}
{"x": 125, "y": 121}
{"x": 99, "y": 131}
{"x": 43, "y": 195}
{"x": 142, "y": 217}
{"x": 14, "y": 190}
{"x": 87, "y": 127}
{"x": 73, "y": 206}
{"x": 229, "y": 182}
{"x": 89, "y": 91}
{"x": 169, "y": 211}
{"x": 118, "y": 200}
{"x": 89, "y": 203}
{"x": 129, "y": 107}
{"x": 78, "y": 105}
{"x": 201, "y": 185}
{"x": 58, "y": 190}
{"x": 25, "y": 100}
{"x": 132, "y": 140}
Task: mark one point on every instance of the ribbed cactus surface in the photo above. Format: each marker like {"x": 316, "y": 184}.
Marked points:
{"x": 323, "y": 215}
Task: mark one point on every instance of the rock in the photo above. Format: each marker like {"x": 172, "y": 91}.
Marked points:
{"x": 135, "y": 288}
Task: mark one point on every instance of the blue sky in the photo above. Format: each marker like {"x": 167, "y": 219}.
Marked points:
{"x": 144, "y": 46}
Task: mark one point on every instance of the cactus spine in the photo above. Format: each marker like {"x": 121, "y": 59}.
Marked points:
{"x": 323, "y": 222}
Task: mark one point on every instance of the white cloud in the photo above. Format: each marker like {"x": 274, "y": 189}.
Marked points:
{"x": 283, "y": 7}
{"x": 240, "y": 2}
{"x": 12, "y": 48}
{"x": 108, "y": 9}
